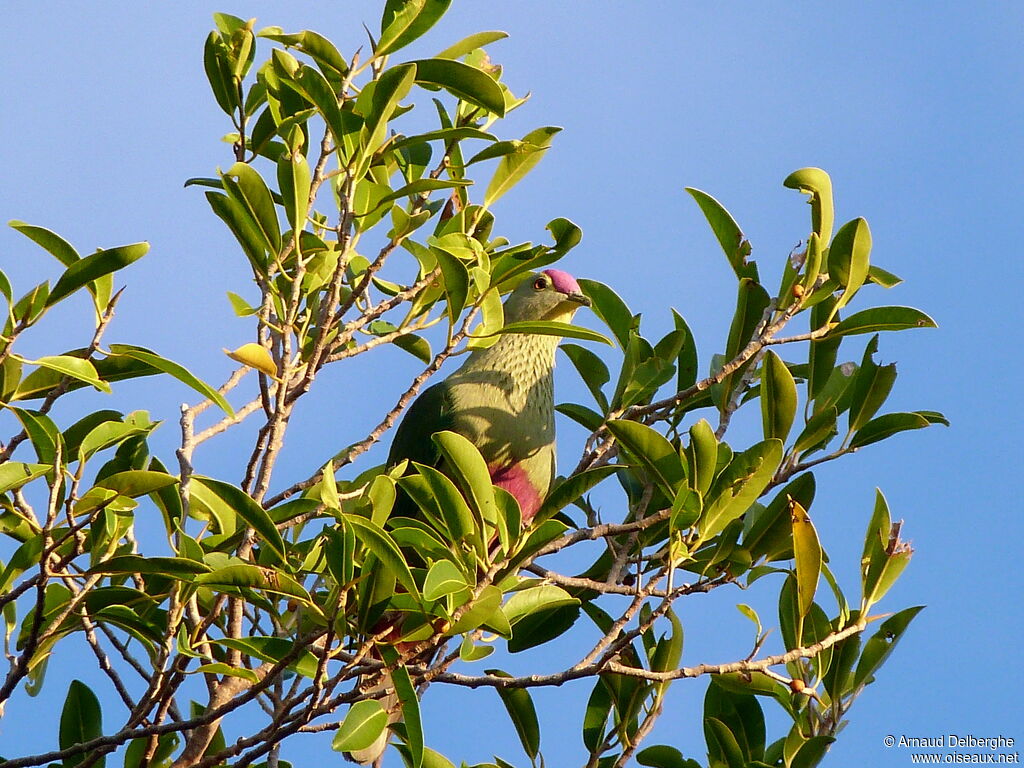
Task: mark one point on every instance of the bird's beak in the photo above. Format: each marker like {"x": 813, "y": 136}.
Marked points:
{"x": 579, "y": 298}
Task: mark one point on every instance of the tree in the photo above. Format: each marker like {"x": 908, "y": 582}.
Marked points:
{"x": 270, "y": 598}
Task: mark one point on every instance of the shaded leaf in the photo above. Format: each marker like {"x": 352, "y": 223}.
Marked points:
{"x": 380, "y": 543}
{"x": 878, "y": 647}
{"x": 520, "y": 709}
{"x": 778, "y": 397}
{"x": 887, "y": 426}
{"x": 80, "y": 721}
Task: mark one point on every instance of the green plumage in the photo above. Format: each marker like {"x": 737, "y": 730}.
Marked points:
{"x": 501, "y": 398}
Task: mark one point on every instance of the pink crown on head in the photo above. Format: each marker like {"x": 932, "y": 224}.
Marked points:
{"x": 563, "y": 282}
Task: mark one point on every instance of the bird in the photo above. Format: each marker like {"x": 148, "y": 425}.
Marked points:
{"x": 502, "y": 400}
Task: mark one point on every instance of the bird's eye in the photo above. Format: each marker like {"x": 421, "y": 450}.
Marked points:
{"x": 540, "y": 284}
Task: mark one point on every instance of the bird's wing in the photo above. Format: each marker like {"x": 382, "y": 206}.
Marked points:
{"x": 431, "y": 412}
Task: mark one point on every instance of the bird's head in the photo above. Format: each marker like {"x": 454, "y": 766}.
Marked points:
{"x": 548, "y": 295}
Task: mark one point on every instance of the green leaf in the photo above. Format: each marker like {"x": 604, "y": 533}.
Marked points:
{"x": 486, "y": 605}
{"x": 176, "y": 567}
{"x": 94, "y": 267}
{"x": 741, "y": 721}
{"x": 497, "y": 149}
{"x": 543, "y": 597}
{"x": 455, "y": 512}
{"x": 273, "y": 650}
{"x": 443, "y": 578}
{"x": 722, "y": 744}
{"x": 881, "y": 644}
{"x": 218, "y": 72}
{"x": 167, "y": 744}
{"x": 586, "y": 417}
{"x": 417, "y": 346}
{"x": 849, "y": 259}
{"x": 608, "y": 306}
{"x": 727, "y": 232}
{"x": 807, "y": 554}
{"x": 14, "y": 474}
{"x": 662, "y": 756}
{"x": 816, "y": 183}
{"x": 314, "y": 87}
{"x": 80, "y": 721}
{"x": 570, "y": 490}
{"x": 384, "y": 548}
{"x": 702, "y": 456}
{"x": 542, "y": 627}
{"x": 512, "y": 168}
{"x": 456, "y": 281}
{"x": 883, "y": 277}
{"x": 418, "y": 187}
{"x": 655, "y": 453}
{"x": 887, "y": 426}
{"x": 870, "y": 387}
{"x": 62, "y": 250}
{"x": 406, "y": 693}
{"x": 751, "y": 302}
{"x": 293, "y": 176}
{"x": 820, "y": 426}
{"x": 778, "y": 397}
{"x": 469, "y": 470}
{"x": 553, "y": 328}
{"x": 110, "y": 433}
{"x": 464, "y": 82}
{"x": 136, "y": 482}
{"x": 520, "y": 709}
{"x": 173, "y": 369}
{"x": 739, "y": 485}
{"x": 242, "y": 226}
{"x": 317, "y": 47}
{"x": 246, "y": 508}
{"x": 470, "y": 44}
{"x": 73, "y": 367}
{"x": 42, "y": 433}
{"x": 219, "y": 668}
{"x": 770, "y": 532}
{"x": 392, "y": 86}
{"x": 881, "y": 319}
{"x": 686, "y": 365}
{"x": 53, "y": 243}
{"x": 249, "y": 188}
{"x": 669, "y": 650}
{"x": 406, "y": 20}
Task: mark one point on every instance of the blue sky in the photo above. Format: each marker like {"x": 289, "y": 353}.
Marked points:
{"x": 915, "y": 109}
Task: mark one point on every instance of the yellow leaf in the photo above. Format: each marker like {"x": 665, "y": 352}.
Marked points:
{"x": 255, "y": 356}
{"x": 807, "y": 553}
